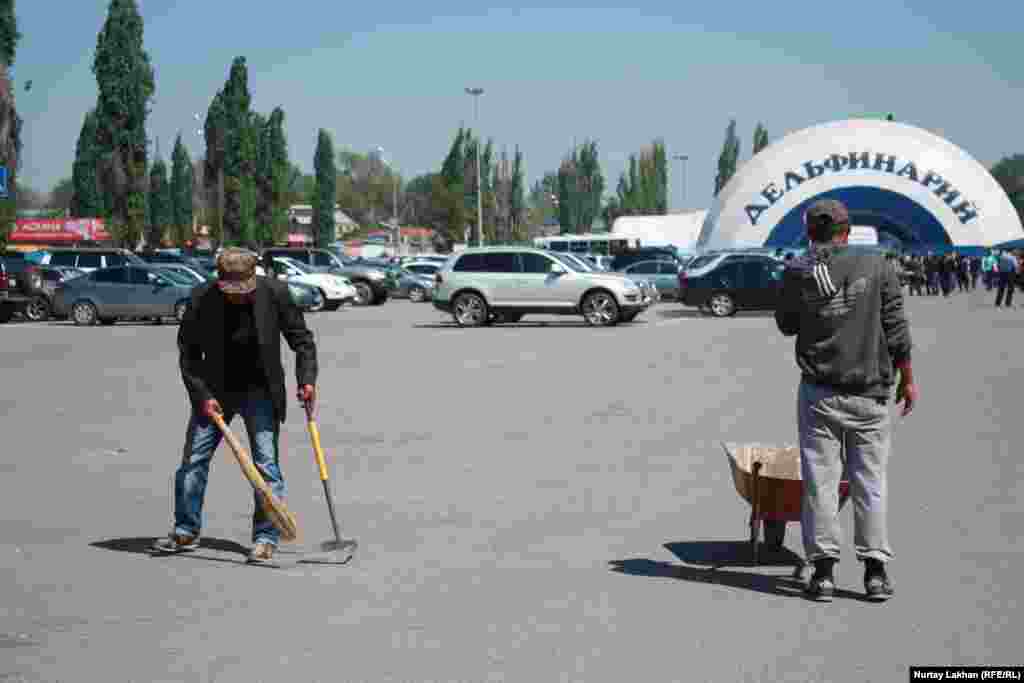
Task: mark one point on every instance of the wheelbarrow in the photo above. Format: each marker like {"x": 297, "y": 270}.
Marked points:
{"x": 768, "y": 477}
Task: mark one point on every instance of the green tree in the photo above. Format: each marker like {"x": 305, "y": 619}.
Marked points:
{"x": 1009, "y": 173}
{"x": 453, "y": 169}
{"x": 580, "y": 188}
{"x": 729, "y": 157}
{"x": 280, "y": 170}
{"x": 86, "y": 202}
{"x": 643, "y": 190}
{"x": 326, "y": 190}
{"x": 517, "y": 199}
{"x": 9, "y": 35}
{"x": 239, "y": 153}
{"x": 62, "y": 195}
{"x": 760, "y": 138}
{"x": 181, "y": 193}
{"x": 126, "y": 84}
{"x": 159, "y": 204}
{"x": 215, "y": 135}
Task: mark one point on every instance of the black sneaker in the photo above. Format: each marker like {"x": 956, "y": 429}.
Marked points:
{"x": 176, "y": 543}
{"x": 820, "y": 588}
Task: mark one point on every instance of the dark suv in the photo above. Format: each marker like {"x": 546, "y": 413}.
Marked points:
{"x": 20, "y": 284}
{"x": 721, "y": 284}
{"x": 371, "y": 283}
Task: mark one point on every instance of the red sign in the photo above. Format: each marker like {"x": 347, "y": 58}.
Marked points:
{"x": 59, "y": 230}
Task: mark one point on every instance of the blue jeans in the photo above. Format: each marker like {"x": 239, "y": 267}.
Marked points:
{"x": 202, "y": 439}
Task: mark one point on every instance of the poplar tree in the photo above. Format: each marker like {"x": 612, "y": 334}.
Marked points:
{"x": 181, "y": 193}
{"x": 729, "y": 157}
{"x": 86, "y": 202}
{"x": 325, "y": 191}
{"x": 760, "y": 138}
{"x": 159, "y": 204}
{"x": 126, "y": 84}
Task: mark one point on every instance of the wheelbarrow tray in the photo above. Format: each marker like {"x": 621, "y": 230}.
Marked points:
{"x": 768, "y": 477}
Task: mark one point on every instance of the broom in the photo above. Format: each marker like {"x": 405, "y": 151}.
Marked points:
{"x": 275, "y": 509}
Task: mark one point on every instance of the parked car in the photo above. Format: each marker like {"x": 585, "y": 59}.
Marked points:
{"x": 195, "y": 276}
{"x": 412, "y": 286}
{"x": 109, "y": 294}
{"x": 334, "y": 289}
{"x": 370, "y": 283}
{"x": 662, "y": 275}
{"x": 306, "y": 297}
{"x": 170, "y": 257}
{"x": 483, "y": 285}
{"x": 599, "y": 261}
{"x": 630, "y": 256}
{"x": 426, "y": 268}
{"x": 647, "y": 289}
{"x": 177, "y": 276}
{"x": 90, "y": 259}
{"x": 20, "y": 284}
{"x": 721, "y": 284}
{"x": 40, "y": 308}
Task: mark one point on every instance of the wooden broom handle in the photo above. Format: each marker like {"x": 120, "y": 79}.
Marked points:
{"x": 242, "y": 456}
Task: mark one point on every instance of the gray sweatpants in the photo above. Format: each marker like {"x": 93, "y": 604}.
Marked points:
{"x": 826, "y": 420}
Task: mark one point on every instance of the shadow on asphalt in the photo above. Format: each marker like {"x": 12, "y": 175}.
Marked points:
{"x": 683, "y": 313}
{"x": 715, "y": 562}
{"x": 141, "y": 545}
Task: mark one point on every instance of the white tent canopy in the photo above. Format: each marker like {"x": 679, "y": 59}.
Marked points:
{"x": 679, "y": 229}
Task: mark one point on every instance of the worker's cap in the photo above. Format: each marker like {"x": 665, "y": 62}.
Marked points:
{"x": 826, "y": 213}
{"x": 236, "y": 271}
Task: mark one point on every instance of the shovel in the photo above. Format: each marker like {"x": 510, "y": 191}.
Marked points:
{"x": 339, "y": 550}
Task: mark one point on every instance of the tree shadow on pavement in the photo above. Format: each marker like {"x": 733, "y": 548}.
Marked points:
{"x": 717, "y": 562}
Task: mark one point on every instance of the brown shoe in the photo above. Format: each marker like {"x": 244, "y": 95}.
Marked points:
{"x": 261, "y": 553}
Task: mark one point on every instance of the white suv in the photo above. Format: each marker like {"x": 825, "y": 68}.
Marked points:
{"x": 502, "y": 284}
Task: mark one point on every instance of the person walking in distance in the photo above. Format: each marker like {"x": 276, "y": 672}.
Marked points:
{"x": 845, "y": 307}
{"x": 989, "y": 268}
{"x": 229, "y": 345}
{"x": 975, "y": 271}
{"x": 1006, "y": 278}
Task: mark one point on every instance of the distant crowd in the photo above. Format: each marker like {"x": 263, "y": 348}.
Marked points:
{"x": 950, "y": 273}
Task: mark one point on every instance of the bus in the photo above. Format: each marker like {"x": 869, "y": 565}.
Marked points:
{"x": 605, "y": 244}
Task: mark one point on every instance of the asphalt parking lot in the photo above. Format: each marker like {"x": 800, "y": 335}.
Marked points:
{"x": 534, "y": 502}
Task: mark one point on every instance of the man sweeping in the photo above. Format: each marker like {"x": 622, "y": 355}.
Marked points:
{"x": 229, "y": 347}
{"x": 845, "y": 307}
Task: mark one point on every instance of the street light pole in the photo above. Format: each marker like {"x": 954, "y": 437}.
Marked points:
{"x": 476, "y": 93}
{"x": 682, "y": 158}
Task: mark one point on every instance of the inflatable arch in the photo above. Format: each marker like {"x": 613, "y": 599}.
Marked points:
{"x": 913, "y": 187}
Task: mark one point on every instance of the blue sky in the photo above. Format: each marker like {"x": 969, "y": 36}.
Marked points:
{"x": 393, "y": 73}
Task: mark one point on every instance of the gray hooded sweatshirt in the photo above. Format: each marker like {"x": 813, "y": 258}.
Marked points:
{"x": 845, "y": 307}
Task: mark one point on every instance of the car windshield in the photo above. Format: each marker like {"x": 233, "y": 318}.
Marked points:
{"x": 301, "y": 267}
{"x": 176, "y": 277}
{"x": 701, "y": 261}
{"x": 569, "y": 263}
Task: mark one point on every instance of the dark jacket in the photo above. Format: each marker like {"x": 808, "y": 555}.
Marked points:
{"x": 201, "y": 342}
{"x": 845, "y": 306}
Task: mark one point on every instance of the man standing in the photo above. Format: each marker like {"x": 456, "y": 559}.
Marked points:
{"x": 988, "y": 269}
{"x": 1006, "y": 278}
{"x": 229, "y": 347}
{"x": 845, "y": 307}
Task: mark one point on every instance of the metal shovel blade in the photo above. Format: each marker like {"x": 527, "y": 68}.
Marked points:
{"x": 334, "y": 552}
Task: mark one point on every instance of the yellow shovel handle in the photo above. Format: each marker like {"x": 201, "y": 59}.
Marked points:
{"x": 321, "y": 462}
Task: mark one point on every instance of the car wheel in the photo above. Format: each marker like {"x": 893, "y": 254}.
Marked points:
{"x": 331, "y": 305}
{"x": 84, "y": 314}
{"x": 417, "y": 294}
{"x": 722, "y": 305}
{"x": 319, "y": 304}
{"x": 470, "y": 310}
{"x": 179, "y": 310}
{"x": 364, "y": 293}
{"x": 380, "y": 299}
{"x": 38, "y": 309}
{"x": 600, "y": 309}
{"x": 6, "y": 312}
